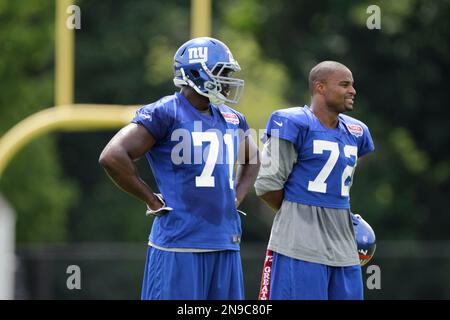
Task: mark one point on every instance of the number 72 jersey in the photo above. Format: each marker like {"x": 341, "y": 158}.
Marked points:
{"x": 327, "y": 157}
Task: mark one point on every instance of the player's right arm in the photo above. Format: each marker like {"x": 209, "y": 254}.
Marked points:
{"x": 279, "y": 155}
{"x": 274, "y": 199}
{"x": 277, "y": 160}
{"x": 118, "y": 157}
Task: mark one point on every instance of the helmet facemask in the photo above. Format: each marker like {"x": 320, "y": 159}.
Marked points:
{"x": 214, "y": 84}
{"x": 223, "y": 88}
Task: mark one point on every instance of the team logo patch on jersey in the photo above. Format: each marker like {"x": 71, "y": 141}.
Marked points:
{"x": 230, "y": 117}
{"x": 355, "y": 129}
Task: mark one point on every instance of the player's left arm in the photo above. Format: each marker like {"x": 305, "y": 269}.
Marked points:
{"x": 247, "y": 169}
{"x": 365, "y": 142}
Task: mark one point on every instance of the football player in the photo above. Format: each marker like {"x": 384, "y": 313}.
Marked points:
{"x": 312, "y": 244}
{"x": 191, "y": 140}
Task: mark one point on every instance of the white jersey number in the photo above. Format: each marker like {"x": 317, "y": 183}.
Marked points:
{"x": 206, "y": 178}
{"x": 349, "y": 170}
{"x": 319, "y": 184}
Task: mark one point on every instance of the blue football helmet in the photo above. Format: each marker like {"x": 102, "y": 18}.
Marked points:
{"x": 365, "y": 239}
{"x": 204, "y": 64}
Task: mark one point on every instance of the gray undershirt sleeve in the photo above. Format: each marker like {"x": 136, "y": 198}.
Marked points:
{"x": 277, "y": 160}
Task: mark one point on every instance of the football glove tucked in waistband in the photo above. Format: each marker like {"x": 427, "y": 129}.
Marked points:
{"x": 161, "y": 211}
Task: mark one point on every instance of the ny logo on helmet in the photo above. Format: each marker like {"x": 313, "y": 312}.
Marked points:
{"x": 198, "y": 54}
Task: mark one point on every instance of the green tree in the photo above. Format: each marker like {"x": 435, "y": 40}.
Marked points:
{"x": 33, "y": 182}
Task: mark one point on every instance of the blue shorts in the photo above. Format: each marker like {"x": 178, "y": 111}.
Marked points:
{"x": 172, "y": 275}
{"x": 293, "y": 279}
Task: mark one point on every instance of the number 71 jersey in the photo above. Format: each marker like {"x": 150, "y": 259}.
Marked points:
{"x": 193, "y": 164}
{"x": 327, "y": 157}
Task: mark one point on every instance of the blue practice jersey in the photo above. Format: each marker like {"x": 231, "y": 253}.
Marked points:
{"x": 327, "y": 157}
{"x": 193, "y": 163}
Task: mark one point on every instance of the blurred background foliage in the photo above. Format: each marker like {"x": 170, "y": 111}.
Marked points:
{"x": 34, "y": 183}
{"x": 124, "y": 54}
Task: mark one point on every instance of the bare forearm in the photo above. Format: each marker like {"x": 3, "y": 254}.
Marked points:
{"x": 123, "y": 172}
{"x": 274, "y": 199}
{"x": 245, "y": 178}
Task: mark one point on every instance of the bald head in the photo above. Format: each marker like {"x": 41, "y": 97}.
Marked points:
{"x": 322, "y": 71}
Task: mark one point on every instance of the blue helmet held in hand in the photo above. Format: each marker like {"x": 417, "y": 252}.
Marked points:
{"x": 205, "y": 64}
{"x": 365, "y": 239}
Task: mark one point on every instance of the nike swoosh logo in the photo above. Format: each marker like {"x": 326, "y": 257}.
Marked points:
{"x": 278, "y": 123}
